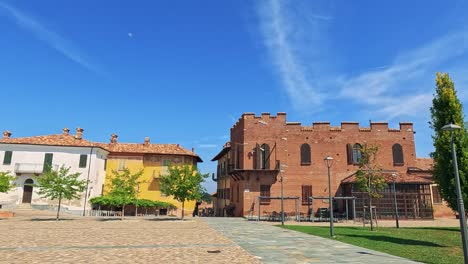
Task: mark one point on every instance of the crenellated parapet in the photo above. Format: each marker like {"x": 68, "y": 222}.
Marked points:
{"x": 345, "y": 126}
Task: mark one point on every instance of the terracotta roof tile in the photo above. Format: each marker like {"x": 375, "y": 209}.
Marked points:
{"x": 168, "y": 149}
{"x": 51, "y": 140}
{"x": 413, "y": 175}
{"x": 72, "y": 141}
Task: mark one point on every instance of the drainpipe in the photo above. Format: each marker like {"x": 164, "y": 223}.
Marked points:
{"x": 87, "y": 181}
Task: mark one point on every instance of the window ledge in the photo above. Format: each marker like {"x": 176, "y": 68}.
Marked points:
{"x": 306, "y": 163}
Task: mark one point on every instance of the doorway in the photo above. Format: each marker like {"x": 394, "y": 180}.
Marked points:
{"x": 28, "y": 190}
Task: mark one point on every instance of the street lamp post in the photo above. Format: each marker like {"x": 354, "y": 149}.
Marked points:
{"x": 282, "y": 195}
{"x": 395, "y": 201}
{"x": 461, "y": 206}
{"x": 328, "y": 162}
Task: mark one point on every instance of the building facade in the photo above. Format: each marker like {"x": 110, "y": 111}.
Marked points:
{"x": 26, "y": 159}
{"x": 153, "y": 160}
{"x": 265, "y": 151}
{"x": 223, "y": 191}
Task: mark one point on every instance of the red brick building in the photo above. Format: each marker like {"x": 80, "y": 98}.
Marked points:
{"x": 264, "y": 148}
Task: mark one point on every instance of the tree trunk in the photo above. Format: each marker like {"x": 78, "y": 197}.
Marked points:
{"x": 58, "y": 209}
{"x": 136, "y": 211}
{"x": 371, "y": 214}
{"x": 182, "y": 211}
{"x": 123, "y": 212}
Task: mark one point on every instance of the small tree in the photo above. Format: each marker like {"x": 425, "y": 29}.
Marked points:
{"x": 123, "y": 187}
{"x": 58, "y": 184}
{"x": 369, "y": 177}
{"x": 206, "y": 197}
{"x": 447, "y": 108}
{"x": 6, "y": 182}
{"x": 183, "y": 183}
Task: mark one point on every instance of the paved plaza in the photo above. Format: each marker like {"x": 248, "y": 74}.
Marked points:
{"x": 90, "y": 240}
{"x": 274, "y": 245}
{"x": 32, "y": 238}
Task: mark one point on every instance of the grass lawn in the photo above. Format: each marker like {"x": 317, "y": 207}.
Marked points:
{"x": 424, "y": 244}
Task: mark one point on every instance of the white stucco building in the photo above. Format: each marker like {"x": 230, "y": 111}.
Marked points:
{"x": 26, "y": 157}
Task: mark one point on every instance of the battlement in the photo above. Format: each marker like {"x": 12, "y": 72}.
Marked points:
{"x": 345, "y": 126}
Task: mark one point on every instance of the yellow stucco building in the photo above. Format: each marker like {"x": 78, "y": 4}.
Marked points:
{"x": 153, "y": 159}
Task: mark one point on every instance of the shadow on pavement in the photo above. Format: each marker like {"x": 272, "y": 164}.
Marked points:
{"x": 396, "y": 240}
{"x": 167, "y": 219}
{"x": 50, "y": 219}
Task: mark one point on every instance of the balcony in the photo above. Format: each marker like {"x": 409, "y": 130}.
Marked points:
{"x": 276, "y": 167}
{"x": 33, "y": 168}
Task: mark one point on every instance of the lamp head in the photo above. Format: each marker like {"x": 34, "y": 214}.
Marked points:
{"x": 451, "y": 127}
{"x": 328, "y": 161}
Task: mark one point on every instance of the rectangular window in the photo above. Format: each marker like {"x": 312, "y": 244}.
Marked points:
{"x": 83, "y": 160}
{"x": 121, "y": 164}
{"x": 265, "y": 191}
{"x": 164, "y": 169}
{"x": 306, "y": 193}
{"x": 228, "y": 193}
{"x": 166, "y": 162}
{"x": 436, "y": 194}
{"x": 48, "y": 157}
{"x": 7, "y": 157}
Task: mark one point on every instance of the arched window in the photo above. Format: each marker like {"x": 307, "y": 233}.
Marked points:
{"x": 357, "y": 153}
{"x": 264, "y": 157}
{"x": 305, "y": 154}
{"x": 397, "y": 151}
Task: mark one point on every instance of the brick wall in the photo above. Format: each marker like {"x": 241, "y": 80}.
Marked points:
{"x": 285, "y": 139}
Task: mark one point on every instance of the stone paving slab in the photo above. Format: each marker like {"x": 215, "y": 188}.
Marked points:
{"x": 38, "y": 238}
{"x": 275, "y": 245}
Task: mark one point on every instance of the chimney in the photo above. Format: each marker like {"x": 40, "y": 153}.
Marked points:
{"x": 66, "y": 131}
{"x": 193, "y": 150}
{"x": 79, "y": 133}
{"x": 147, "y": 141}
{"x": 113, "y": 138}
{"x": 6, "y": 134}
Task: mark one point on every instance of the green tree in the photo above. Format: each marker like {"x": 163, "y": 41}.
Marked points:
{"x": 59, "y": 184}
{"x": 6, "y": 182}
{"x": 123, "y": 187}
{"x": 369, "y": 177}
{"x": 447, "y": 109}
{"x": 206, "y": 197}
{"x": 183, "y": 183}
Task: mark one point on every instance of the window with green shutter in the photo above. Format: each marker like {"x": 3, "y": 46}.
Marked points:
{"x": 7, "y": 157}
{"x": 48, "y": 161}
{"x": 83, "y": 160}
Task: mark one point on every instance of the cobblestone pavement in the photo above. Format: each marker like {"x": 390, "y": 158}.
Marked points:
{"x": 274, "y": 245}
{"x": 33, "y": 238}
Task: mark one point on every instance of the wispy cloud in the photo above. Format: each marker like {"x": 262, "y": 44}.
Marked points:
{"x": 52, "y": 39}
{"x": 392, "y": 90}
{"x": 402, "y": 87}
{"x": 207, "y": 146}
{"x": 278, "y": 29}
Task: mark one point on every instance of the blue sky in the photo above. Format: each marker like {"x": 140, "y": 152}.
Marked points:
{"x": 184, "y": 71}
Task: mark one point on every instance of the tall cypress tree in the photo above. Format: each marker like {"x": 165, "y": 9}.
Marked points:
{"x": 447, "y": 108}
